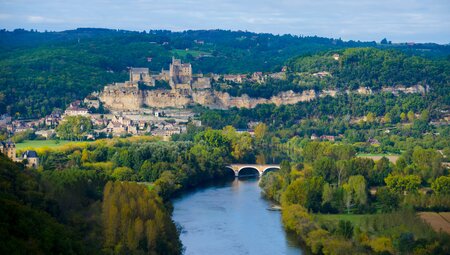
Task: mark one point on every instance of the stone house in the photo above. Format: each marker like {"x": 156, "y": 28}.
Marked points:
{"x": 76, "y": 111}
{"x": 32, "y": 159}
{"x": 328, "y": 137}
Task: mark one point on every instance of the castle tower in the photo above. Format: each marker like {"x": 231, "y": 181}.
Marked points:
{"x": 180, "y": 74}
{"x": 140, "y": 75}
{"x": 9, "y": 149}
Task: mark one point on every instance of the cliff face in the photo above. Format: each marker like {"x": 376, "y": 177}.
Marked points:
{"x": 119, "y": 100}
{"x": 224, "y": 100}
{"x": 131, "y": 99}
{"x": 165, "y": 98}
{"x": 135, "y": 99}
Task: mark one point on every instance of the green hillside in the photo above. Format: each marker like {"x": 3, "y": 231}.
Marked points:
{"x": 43, "y": 71}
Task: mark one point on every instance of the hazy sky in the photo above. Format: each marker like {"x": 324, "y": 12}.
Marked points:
{"x": 398, "y": 20}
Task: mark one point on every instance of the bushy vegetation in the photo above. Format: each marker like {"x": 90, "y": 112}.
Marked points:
{"x": 329, "y": 179}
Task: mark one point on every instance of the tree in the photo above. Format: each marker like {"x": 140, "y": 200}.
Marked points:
{"x": 425, "y": 115}
{"x": 403, "y": 117}
{"x": 123, "y": 173}
{"x": 342, "y": 169}
{"x": 441, "y": 185}
{"x": 361, "y": 166}
{"x": 428, "y": 162}
{"x": 355, "y": 191}
{"x": 260, "y": 159}
{"x": 260, "y": 132}
{"x": 403, "y": 184}
{"x": 345, "y": 229}
{"x": 166, "y": 184}
{"x": 242, "y": 147}
{"x": 388, "y": 199}
{"x": 381, "y": 170}
{"x": 272, "y": 184}
{"x": 411, "y": 116}
{"x": 325, "y": 167}
{"x": 401, "y": 164}
{"x": 305, "y": 192}
{"x": 135, "y": 221}
{"x": 405, "y": 242}
{"x": 370, "y": 117}
{"x": 313, "y": 150}
{"x": 74, "y": 128}
{"x": 358, "y": 185}
{"x": 316, "y": 238}
{"x": 388, "y": 117}
{"x": 382, "y": 244}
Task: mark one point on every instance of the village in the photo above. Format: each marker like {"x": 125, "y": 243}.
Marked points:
{"x": 109, "y": 120}
{"x": 158, "y": 105}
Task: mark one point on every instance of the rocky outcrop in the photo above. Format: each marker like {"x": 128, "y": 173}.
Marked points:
{"x": 122, "y": 99}
{"x": 165, "y": 98}
{"x": 134, "y": 99}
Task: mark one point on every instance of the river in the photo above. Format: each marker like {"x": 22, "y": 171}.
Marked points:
{"x": 231, "y": 218}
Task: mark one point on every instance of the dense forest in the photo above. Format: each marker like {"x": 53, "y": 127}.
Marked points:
{"x": 355, "y": 67}
{"x": 40, "y": 71}
{"x": 71, "y": 209}
{"x": 329, "y": 179}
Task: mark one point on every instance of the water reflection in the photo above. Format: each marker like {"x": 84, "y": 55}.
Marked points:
{"x": 231, "y": 218}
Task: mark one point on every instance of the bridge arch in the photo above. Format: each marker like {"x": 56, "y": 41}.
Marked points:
{"x": 270, "y": 169}
{"x": 230, "y": 171}
{"x": 248, "y": 171}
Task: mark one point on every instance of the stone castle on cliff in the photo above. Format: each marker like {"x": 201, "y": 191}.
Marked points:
{"x": 130, "y": 95}
{"x": 187, "y": 89}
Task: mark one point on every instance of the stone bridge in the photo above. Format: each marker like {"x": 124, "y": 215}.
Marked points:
{"x": 251, "y": 169}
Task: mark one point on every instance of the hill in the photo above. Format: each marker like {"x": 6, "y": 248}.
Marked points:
{"x": 43, "y": 71}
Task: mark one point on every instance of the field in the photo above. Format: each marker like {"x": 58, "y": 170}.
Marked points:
{"x": 375, "y": 157}
{"x": 37, "y": 144}
{"x": 355, "y": 219}
{"x": 438, "y": 221}
{"x": 194, "y": 53}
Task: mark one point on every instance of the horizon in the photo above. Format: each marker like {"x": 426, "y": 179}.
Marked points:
{"x": 417, "y": 21}
{"x": 216, "y": 29}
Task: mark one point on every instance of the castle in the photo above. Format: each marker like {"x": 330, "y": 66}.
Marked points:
{"x": 129, "y": 95}
{"x": 8, "y": 148}
{"x": 186, "y": 89}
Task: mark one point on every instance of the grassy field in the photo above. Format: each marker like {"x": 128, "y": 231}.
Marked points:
{"x": 37, "y": 144}
{"x": 392, "y": 157}
{"x": 353, "y": 218}
{"x": 183, "y": 53}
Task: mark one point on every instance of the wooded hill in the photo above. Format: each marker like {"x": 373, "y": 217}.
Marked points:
{"x": 43, "y": 70}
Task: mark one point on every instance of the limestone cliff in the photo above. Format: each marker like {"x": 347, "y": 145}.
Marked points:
{"x": 133, "y": 98}
{"x": 122, "y": 99}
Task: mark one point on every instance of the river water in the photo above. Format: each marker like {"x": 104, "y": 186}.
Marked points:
{"x": 231, "y": 218}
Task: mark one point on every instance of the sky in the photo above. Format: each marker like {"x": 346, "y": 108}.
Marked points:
{"x": 365, "y": 20}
